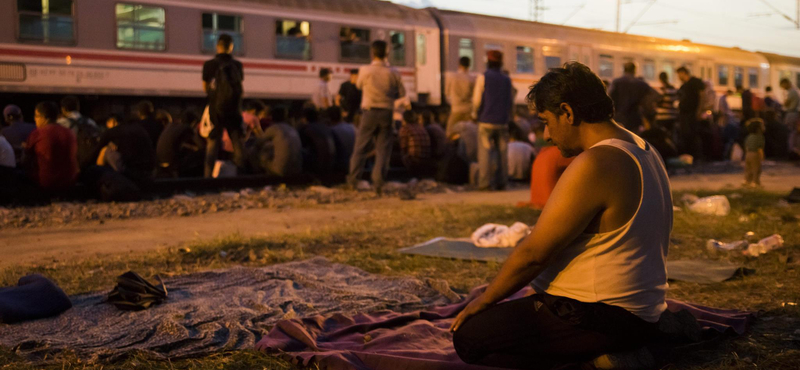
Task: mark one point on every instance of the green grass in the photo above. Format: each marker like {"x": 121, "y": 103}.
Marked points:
{"x": 372, "y": 247}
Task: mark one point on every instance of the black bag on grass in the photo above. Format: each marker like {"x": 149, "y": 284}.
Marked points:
{"x": 134, "y": 293}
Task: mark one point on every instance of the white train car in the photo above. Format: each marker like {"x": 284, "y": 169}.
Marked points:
{"x": 157, "y": 47}
{"x": 782, "y": 67}
{"x": 532, "y": 48}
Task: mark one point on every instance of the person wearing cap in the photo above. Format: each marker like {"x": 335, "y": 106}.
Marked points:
{"x": 17, "y": 131}
{"x": 491, "y": 102}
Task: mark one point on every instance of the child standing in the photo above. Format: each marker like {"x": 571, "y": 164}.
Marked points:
{"x": 754, "y": 152}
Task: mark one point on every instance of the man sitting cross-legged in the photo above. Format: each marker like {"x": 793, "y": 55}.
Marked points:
{"x": 596, "y": 258}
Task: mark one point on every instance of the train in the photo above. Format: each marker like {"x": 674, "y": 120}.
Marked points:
{"x": 156, "y": 48}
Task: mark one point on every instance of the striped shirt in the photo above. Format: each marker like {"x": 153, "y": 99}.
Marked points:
{"x": 665, "y": 110}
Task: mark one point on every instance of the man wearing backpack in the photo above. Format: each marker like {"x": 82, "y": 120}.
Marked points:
{"x": 85, "y": 129}
{"x": 222, "y": 81}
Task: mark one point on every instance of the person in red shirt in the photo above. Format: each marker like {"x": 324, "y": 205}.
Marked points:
{"x": 545, "y": 172}
{"x": 51, "y": 152}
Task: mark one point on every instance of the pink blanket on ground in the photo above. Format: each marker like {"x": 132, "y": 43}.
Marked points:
{"x": 388, "y": 340}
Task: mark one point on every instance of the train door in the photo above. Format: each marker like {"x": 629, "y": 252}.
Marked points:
{"x": 428, "y": 71}
{"x": 705, "y": 70}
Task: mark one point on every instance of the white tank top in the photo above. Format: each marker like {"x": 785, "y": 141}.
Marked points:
{"x": 625, "y": 267}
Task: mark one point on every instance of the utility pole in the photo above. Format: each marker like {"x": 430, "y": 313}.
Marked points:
{"x": 536, "y": 10}
{"x": 619, "y": 9}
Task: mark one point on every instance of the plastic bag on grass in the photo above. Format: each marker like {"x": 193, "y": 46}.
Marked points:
{"x": 500, "y": 236}
{"x": 716, "y": 205}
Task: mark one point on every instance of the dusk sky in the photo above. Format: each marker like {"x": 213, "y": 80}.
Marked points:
{"x": 756, "y": 25}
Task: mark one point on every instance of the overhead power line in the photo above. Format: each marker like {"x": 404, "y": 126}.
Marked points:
{"x": 796, "y": 21}
{"x": 639, "y": 16}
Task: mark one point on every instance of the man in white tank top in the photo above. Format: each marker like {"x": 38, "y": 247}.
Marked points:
{"x": 597, "y": 256}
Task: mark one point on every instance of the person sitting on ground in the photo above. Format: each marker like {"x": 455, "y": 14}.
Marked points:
{"x": 415, "y": 145}
{"x": 109, "y": 156}
{"x": 466, "y": 133}
{"x": 318, "y": 144}
{"x": 51, "y": 151}
{"x": 136, "y": 156}
{"x": 252, "y": 114}
{"x": 17, "y": 131}
{"x": 520, "y": 154}
{"x": 147, "y": 120}
{"x": 84, "y": 128}
{"x": 179, "y": 151}
{"x": 597, "y": 256}
{"x": 754, "y": 152}
{"x": 344, "y": 137}
{"x": 280, "y": 150}
{"x": 436, "y": 133}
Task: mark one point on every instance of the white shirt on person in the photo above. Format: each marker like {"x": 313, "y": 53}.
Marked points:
{"x": 380, "y": 84}
{"x": 459, "y": 92}
{"x": 321, "y": 94}
{"x": 520, "y": 156}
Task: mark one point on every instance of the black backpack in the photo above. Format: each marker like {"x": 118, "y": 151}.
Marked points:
{"x": 228, "y": 90}
{"x": 88, "y": 136}
{"x": 134, "y": 293}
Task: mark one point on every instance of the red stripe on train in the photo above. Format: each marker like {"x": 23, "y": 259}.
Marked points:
{"x": 153, "y": 60}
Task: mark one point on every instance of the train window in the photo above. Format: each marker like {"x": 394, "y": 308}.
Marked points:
{"x": 753, "y": 78}
{"x": 466, "y": 48}
{"x": 649, "y": 69}
{"x": 552, "y": 56}
{"x": 141, "y": 27}
{"x": 606, "y": 66}
{"x": 47, "y": 21}
{"x": 785, "y": 74}
{"x": 215, "y": 25}
{"x": 722, "y": 75}
{"x": 738, "y": 76}
{"x": 668, "y": 68}
{"x": 397, "y": 41}
{"x": 422, "y": 50}
{"x": 552, "y": 62}
{"x": 293, "y": 39}
{"x": 524, "y": 59}
{"x": 354, "y": 45}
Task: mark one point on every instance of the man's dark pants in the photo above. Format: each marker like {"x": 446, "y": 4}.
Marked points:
{"x": 376, "y": 124}
{"x": 232, "y": 122}
{"x": 542, "y": 331}
{"x": 691, "y": 140}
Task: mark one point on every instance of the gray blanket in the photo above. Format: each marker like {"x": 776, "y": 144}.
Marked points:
{"x": 219, "y": 310}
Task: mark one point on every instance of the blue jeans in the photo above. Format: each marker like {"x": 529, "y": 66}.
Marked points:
{"x": 376, "y": 124}
{"x": 492, "y": 147}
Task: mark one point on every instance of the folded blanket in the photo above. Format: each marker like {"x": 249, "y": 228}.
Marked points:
{"x": 387, "y": 340}
{"x": 34, "y": 297}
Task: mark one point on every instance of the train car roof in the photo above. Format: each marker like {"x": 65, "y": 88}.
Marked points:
{"x": 353, "y": 9}
{"x": 487, "y": 26}
{"x": 781, "y": 59}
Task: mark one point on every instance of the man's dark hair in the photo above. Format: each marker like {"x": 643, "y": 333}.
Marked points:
{"x": 629, "y": 67}
{"x": 334, "y": 114}
{"x": 256, "y": 105}
{"x": 464, "y": 62}
{"x": 115, "y": 117}
{"x": 754, "y": 125}
{"x": 427, "y": 117}
{"x": 739, "y": 87}
{"x": 576, "y": 85}
{"x": 354, "y": 71}
{"x": 70, "y": 103}
{"x": 311, "y": 115}
{"x": 225, "y": 41}
{"x": 145, "y": 108}
{"x": 410, "y": 116}
{"x": 663, "y": 76}
{"x": 785, "y": 81}
{"x": 768, "y": 89}
{"x": 683, "y": 69}
{"x": 379, "y": 49}
{"x": 516, "y": 132}
{"x": 189, "y": 118}
{"x": 280, "y": 113}
{"x": 324, "y": 72}
{"x": 492, "y": 64}
{"x": 49, "y": 110}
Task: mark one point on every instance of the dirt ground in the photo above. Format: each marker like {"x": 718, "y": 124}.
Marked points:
{"x": 74, "y": 242}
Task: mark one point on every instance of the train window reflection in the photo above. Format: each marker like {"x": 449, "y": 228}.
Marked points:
{"x": 606, "y": 66}
{"x": 215, "y": 25}
{"x": 293, "y": 39}
{"x": 524, "y": 59}
{"x": 668, "y": 68}
{"x": 738, "y": 76}
{"x": 649, "y": 69}
{"x": 141, "y": 27}
{"x": 722, "y": 75}
{"x": 753, "y": 78}
{"x": 354, "y": 44}
{"x": 422, "y": 50}
{"x": 466, "y": 48}
{"x": 47, "y": 21}
{"x": 397, "y": 54}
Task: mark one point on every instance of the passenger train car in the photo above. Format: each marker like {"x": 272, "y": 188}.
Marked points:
{"x": 156, "y": 48}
